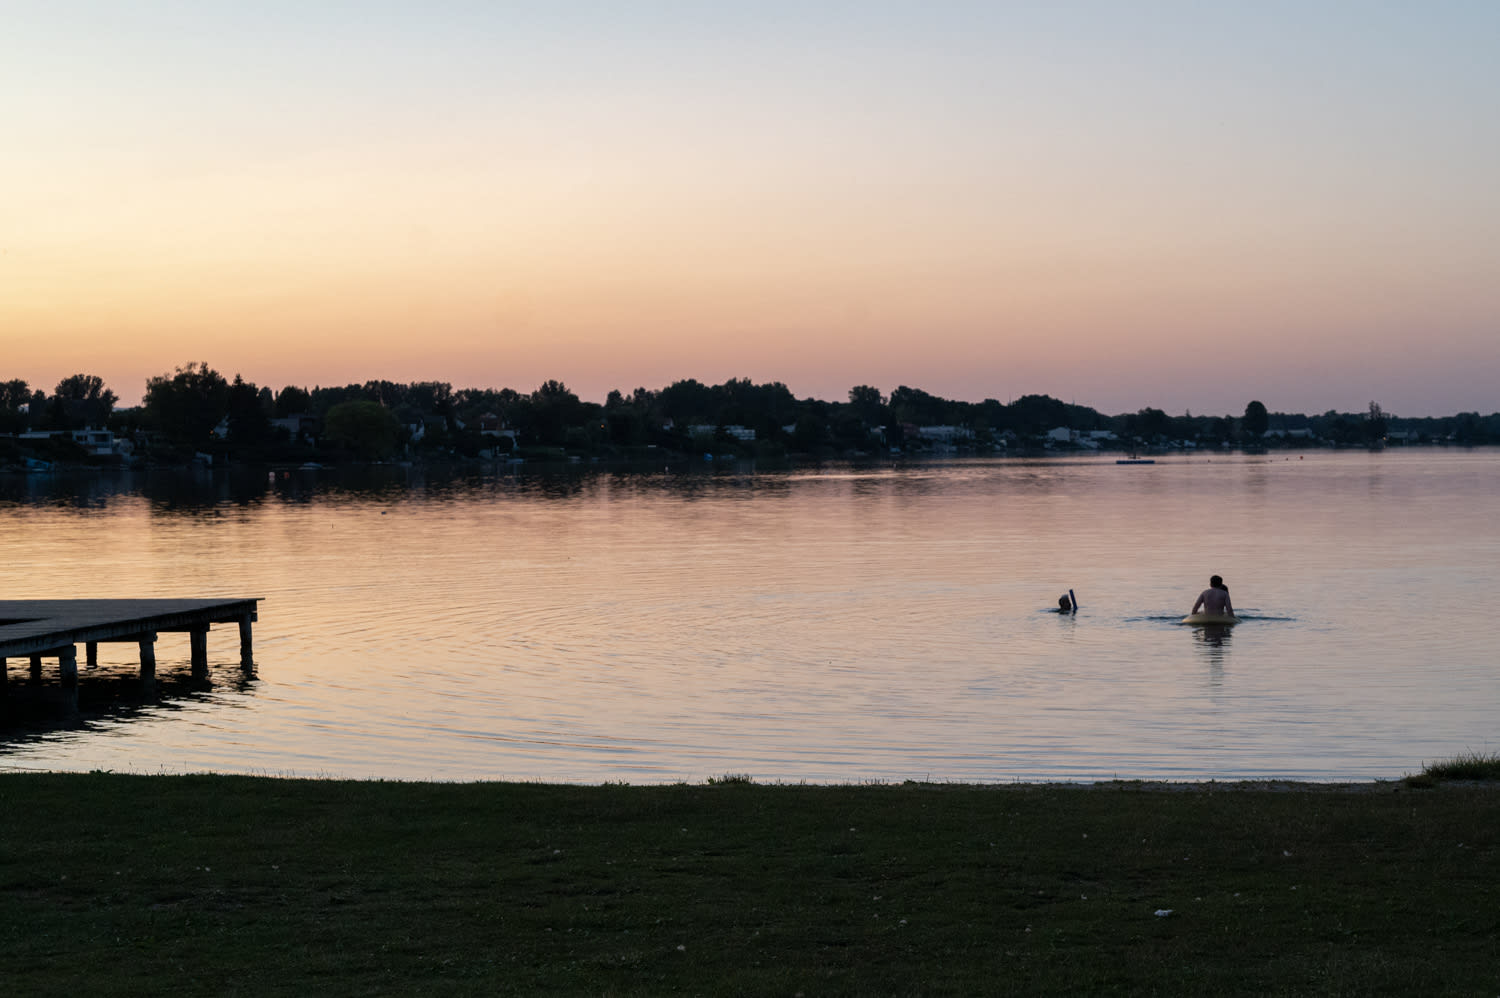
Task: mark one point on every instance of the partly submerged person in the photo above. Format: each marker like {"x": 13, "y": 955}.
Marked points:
{"x": 1215, "y": 599}
{"x": 1067, "y": 603}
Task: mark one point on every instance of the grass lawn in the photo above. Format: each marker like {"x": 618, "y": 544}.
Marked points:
{"x": 114, "y": 884}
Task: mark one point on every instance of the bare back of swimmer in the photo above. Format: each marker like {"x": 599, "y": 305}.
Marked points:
{"x": 1215, "y": 599}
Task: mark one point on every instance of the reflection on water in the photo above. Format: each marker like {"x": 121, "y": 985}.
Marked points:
{"x": 1215, "y": 641}
{"x": 36, "y": 706}
{"x": 827, "y": 624}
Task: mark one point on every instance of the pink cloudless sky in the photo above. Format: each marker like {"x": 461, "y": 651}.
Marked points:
{"x": 1166, "y": 204}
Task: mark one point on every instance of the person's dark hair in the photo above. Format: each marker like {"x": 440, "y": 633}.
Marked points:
{"x": 1063, "y": 604}
{"x": 1216, "y": 582}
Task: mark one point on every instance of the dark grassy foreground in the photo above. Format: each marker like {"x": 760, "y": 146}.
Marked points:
{"x": 223, "y": 885}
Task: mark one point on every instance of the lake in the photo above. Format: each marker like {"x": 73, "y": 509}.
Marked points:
{"x": 837, "y": 623}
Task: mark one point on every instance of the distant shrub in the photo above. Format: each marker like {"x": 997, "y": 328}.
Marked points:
{"x": 1467, "y": 766}
{"x": 740, "y": 778}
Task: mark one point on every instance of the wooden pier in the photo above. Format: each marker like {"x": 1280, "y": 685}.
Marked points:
{"x": 41, "y": 629}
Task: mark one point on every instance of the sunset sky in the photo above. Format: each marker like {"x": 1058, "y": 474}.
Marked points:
{"x": 1178, "y": 204}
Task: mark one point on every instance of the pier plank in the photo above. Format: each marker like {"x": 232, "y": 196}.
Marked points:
{"x": 43, "y": 627}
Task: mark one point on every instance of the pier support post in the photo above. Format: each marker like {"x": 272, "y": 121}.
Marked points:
{"x": 67, "y": 660}
{"x": 36, "y": 670}
{"x": 199, "y": 641}
{"x": 247, "y": 657}
{"x": 91, "y": 650}
{"x": 4, "y": 678}
{"x": 148, "y": 660}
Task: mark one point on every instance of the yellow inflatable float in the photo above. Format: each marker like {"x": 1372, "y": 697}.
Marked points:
{"x": 1199, "y": 619}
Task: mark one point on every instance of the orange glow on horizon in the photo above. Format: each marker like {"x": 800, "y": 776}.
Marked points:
{"x": 913, "y": 197}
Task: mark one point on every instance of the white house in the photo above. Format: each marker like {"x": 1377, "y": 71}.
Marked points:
{"x": 99, "y": 443}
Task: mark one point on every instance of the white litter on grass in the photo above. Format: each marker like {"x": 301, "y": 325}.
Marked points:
{"x": 1163, "y": 912}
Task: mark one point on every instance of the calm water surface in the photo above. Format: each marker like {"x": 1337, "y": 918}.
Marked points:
{"x": 835, "y": 624}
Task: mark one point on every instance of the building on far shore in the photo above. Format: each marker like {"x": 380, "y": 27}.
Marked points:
{"x": 98, "y": 443}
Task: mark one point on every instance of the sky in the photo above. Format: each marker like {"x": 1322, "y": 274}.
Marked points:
{"x": 1185, "y": 205}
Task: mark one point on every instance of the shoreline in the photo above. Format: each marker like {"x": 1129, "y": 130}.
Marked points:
{"x": 1378, "y": 786}
{"x": 690, "y": 460}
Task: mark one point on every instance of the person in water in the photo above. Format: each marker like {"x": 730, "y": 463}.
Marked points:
{"x": 1215, "y": 599}
{"x": 1064, "y": 605}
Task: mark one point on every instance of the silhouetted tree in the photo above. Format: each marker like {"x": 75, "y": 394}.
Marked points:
{"x": 13, "y": 395}
{"x": 292, "y": 401}
{"x": 1147, "y": 424}
{"x": 811, "y": 432}
{"x": 914, "y": 406}
{"x": 187, "y": 406}
{"x": 688, "y": 401}
{"x": 1375, "y": 423}
{"x": 38, "y": 412}
{"x": 435, "y": 397}
{"x": 554, "y": 410}
{"x": 1338, "y": 428}
{"x": 82, "y": 400}
{"x": 249, "y": 425}
{"x": 1033, "y": 414}
{"x": 625, "y": 421}
{"x": 868, "y": 405}
{"x": 1256, "y": 420}
{"x": 368, "y": 429}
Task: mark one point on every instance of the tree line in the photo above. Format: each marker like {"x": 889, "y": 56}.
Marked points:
{"x": 195, "y": 411}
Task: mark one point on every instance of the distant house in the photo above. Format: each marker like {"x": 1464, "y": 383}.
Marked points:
{"x": 300, "y": 424}
{"x": 98, "y": 443}
{"x": 417, "y": 431}
{"x": 490, "y": 426}
{"x": 944, "y": 434}
{"x": 1060, "y": 435}
{"x": 700, "y": 430}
